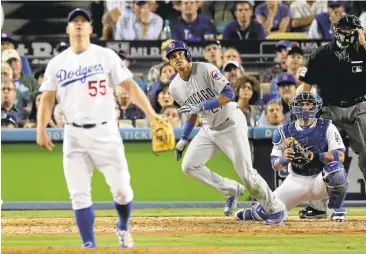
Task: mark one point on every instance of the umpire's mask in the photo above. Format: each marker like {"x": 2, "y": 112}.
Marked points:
{"x": 345, "y": 29}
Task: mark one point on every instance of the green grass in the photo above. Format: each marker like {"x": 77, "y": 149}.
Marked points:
{"x": 174, "y": 212}
{"x": 262, "y": 244}
{"x": 272, "y": 244}
{"x": 29, "y": 173}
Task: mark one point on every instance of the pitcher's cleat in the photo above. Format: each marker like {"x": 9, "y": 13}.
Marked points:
{"x": 125, "y": 239}
{"x": 338, "y": 215}
{"x": 312, "y": 213}
{"x": 231, "y": 202}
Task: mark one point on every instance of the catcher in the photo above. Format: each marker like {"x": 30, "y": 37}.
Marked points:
{"x": 313, "y": 151}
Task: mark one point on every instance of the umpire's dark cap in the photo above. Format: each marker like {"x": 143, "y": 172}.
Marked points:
{"x": 295, "y": 50}
{"x": 7, "y": 38}
{"x": 286, "y": 79}
{"x": 77, "y": 12}
{"x": 335, "y": 4}
{"x": 210, "y": 42}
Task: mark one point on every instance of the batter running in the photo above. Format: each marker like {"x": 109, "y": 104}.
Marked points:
{"x": 200, "y": 89}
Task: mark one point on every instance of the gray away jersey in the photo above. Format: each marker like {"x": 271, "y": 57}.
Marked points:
{"x": 204, "y": 83}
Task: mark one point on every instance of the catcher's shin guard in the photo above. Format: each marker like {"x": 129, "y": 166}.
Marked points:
{"x": 335, "y": 178}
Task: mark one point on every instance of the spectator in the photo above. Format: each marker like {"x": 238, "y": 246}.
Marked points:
{"x": 128, "y": 110}
{"x": 274, "y": 113}
{"x": 282, "y": 48}
{"x": 294, "y": 64}
{"x": 25, "y": 84}
{"x": 247, "y": 92}
{"x": 39, "y": 75}
{"x": 114, "y": 10}
{"x": 60, "y": 47}
{"x": 30, "y": 124}
{"x": 142, "y": 24}
{"x": 163, "y": 98}
{"x": 244, "y": 27}
{"x": 233, "y": 71}
{"x": 213, "y": 53}
{"x": 166, "y": 73}
{"x": 304, "y": 12}
{"x": 7, "y": 42}
{"x": 274, "y": 16}
{"x": 191, "y": 26}
{"x": 221, "y": 12}
{"x": 142, "y": 84}
{"x": 33, "y": 113}
{"x": 8, "y": 121}
{"x": 8, "y": 95}
{"x": 169, "y": 10}
{"x": 154, "y": 73}
{"x": 321, "y": 27}
{"x": 233, "y": 55}
{"x": 171, "y": 113}
{"x": 363, "y": 20}
{"x": 7, "y": 73}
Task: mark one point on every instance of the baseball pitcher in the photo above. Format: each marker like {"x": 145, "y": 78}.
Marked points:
{"x": 313, "y": 151}
{"x": 83, "y": 78}
{"x": 200, "y": 89}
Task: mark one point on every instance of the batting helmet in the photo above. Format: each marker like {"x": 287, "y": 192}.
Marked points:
{"x": 345, "y": 29}
{"x": 178, "y": 46}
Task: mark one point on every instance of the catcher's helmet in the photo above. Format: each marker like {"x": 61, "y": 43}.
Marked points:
{"x": 300, "y": 113}
{"x": 178, "y": 46}
{"x": 345, "y": 29}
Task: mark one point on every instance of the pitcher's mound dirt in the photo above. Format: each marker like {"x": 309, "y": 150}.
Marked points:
{"x": 127, "y": 251}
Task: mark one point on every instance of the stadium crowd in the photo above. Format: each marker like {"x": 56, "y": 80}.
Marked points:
{"x": 206, "y": 22}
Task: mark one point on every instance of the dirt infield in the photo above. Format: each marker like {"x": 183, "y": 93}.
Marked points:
{"x": 176, "y": 225}
{"x": 185, "y": 225}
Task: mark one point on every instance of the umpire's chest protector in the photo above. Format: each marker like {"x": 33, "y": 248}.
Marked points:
{"x": 314, "y": 139}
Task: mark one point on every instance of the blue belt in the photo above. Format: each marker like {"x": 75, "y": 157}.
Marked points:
{"x": 86, "y": 126}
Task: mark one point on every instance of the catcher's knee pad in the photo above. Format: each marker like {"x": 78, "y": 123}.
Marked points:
{"x": 336, "y": 180}
{"x": 80, "y": 201}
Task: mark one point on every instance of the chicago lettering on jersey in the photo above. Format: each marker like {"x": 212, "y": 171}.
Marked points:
{"x": 200, "y": 96}
{"x": 67, "y": 77}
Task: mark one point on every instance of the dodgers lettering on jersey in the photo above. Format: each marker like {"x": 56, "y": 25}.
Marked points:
{"x": 85, "y": 82}
{"x": 313, "y": 139}
{"x": 204, "y": 83}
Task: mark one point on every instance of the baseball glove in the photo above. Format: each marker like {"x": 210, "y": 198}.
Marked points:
{"x": 162, "y": 133}
{"x": 302, "y": 155}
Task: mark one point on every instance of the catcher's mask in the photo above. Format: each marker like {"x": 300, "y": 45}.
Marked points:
{"x": 305, "y": 111}
{"x": 345, "y": 29}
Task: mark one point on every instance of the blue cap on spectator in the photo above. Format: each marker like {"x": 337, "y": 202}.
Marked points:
{"x": 284, "y": 44}
{"x": 62, "y": 46}
{"x": 295, "y": 50}
{"x": 286, "y": 79}
{"x": 7, "y": 37}
{"x": 335, "y": 3}
{"x": 77, "y": 12}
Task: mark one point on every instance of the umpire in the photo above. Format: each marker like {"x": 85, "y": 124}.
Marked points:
{"x": 339, "y": 71}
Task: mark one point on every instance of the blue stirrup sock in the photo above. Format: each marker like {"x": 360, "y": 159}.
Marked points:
{"x": 85, "y": 221}
{"x": 124, "y": 212}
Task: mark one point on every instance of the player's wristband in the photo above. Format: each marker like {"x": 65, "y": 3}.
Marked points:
{"x": 211, "y": 104}
{"x": 187, "y": 129}
{"x": 283, "y": 162}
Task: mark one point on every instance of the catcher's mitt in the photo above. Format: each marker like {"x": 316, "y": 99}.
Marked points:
{"x": 162, "y": 133}
{"x": 302, "y": 155}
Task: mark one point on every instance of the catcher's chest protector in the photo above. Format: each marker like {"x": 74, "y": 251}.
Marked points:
{"x": 314, "y": 139}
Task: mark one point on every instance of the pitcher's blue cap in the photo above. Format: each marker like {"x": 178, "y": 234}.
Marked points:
{"x": 77, "y": 12}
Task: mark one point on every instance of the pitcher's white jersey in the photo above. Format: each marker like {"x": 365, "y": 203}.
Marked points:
{"x": 204, "y": 83}
{"x": 84, "y": 83}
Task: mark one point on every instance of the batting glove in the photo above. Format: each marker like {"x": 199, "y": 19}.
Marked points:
{"x": 191, "y": 109}
{"x": 179, "y": 148}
